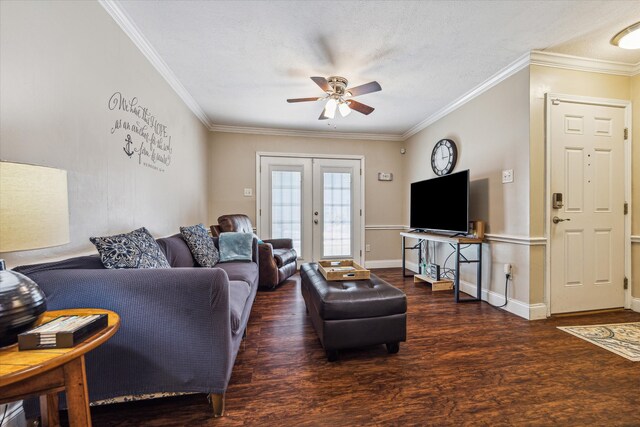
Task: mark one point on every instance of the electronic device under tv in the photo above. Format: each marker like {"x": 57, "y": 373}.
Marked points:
{"x": 441, "y": 204}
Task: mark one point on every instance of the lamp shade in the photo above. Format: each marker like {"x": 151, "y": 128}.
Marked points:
{"x": 34, "y": 207}
{"x": 34, "y": 213}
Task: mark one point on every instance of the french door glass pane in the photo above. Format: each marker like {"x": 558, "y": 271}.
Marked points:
{"x": 286, "y": 206}
{"x": 337, "y": 214}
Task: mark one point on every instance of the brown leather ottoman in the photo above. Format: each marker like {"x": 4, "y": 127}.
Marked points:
{"x": 355, "y": 313}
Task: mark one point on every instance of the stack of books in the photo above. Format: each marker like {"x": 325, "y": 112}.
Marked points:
{"x": 62, "y": 332}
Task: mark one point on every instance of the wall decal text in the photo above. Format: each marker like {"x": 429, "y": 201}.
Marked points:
{"x": 143, "y": 135}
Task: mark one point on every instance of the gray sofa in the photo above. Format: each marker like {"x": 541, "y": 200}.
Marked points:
{"x": 181, "y": 328}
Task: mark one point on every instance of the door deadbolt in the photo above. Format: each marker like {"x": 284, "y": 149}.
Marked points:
{"x": 556, "y": 201}
{"x": 557, "y": 220}
{"x": 316, "y": 213}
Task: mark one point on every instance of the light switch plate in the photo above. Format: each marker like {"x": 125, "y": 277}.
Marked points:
{"x": 248, "y": 192}
{"x": 507, "y": 176}
{"x": 385, "y": 176}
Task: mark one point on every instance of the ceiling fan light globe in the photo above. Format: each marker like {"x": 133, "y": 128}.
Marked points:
{"x": 344, "y": 109}
{"x": 330, "y": 108}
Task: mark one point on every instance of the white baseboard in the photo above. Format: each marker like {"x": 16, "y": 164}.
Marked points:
{"x": 537, "y": 311}
{"x": 413, "y": 266}
{"x": 519, "y": 308}
{"x": 635, "y": 304}
{"x": 383, "y": 263}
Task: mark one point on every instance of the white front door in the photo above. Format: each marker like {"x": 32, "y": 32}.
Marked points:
{"x": 315, "y": 201}
{"x": 587, "y": 231}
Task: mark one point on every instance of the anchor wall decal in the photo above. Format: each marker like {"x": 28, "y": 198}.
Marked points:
{"x": 127, "y": 148}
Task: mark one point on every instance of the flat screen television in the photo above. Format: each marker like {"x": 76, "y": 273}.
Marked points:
{"x": 441, "y": 204}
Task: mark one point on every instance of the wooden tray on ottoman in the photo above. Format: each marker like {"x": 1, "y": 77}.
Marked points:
{"x": 345, "y": 269}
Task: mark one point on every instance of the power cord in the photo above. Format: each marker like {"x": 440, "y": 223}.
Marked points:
{"x": 6, "y": 406}
{"x": 507, "y": 276}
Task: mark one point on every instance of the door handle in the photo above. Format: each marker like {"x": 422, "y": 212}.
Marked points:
{"x": 557, "y": 220}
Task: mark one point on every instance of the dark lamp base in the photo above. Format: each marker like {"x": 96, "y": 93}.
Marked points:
{"x": 21, "y": 305}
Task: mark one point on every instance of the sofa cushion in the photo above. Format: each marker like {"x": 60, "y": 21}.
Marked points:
{"x": 239, "y": 270}
{"x": 177, "y": 251}
{"x": 136, "y": 249}
{"x": 235, "y": 246}
{"x": 238, "y": 293}
{"x": 201, "y": 245}
{"x": 284, "y": 256}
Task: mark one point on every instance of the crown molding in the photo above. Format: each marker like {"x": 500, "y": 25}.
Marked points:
{"x": 534, "y": 57}
{"x": 305, "y": 133}
{"x": 131, "y": 29}
{"x": 569, "y": 62}
{"x": 546, "y": 59}
{"x": 500, "y": 76}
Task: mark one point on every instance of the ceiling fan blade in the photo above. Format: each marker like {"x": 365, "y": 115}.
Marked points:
{"x": 322, "y": 116}
{"x": 303, "y": 99}
{"x": 323, "y": 83}
{"x": 365, "y": 88}
{"x": 360, "y": 107}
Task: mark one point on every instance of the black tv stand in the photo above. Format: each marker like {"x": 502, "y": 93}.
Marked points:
{"x": 457, "y": 241}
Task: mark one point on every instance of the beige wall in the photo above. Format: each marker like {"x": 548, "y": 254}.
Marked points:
{"x": 232, "y": 167}
{"x": 554, "y": 80}
{"x": 492, "y": 134}
{"x": 60, "y": 62}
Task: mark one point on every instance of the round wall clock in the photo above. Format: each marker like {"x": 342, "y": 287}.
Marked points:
{"x": 444, "y": 157}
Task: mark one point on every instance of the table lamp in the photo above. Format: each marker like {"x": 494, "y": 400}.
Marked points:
{"x": 34, "y": 214}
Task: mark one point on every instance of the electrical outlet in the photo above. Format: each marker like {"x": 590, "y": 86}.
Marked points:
{"x": 248, "y": 192}
{"x": 367, "y": 248}
{"x": 507, "y": 176}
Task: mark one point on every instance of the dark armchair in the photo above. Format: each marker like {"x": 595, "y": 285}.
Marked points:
{"x": 277, "y": 258}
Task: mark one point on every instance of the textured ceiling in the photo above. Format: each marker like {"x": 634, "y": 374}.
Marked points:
{"x": 240, "y": 60}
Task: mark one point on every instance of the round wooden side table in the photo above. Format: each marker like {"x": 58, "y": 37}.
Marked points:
{"x": 47, "y": 372}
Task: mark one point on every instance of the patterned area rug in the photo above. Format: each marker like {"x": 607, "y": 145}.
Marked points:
{"x": 621, "y": 338}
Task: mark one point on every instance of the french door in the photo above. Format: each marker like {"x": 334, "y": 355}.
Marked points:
{"x": 315, "y": 201}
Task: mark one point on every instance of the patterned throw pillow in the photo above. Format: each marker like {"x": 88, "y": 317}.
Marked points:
{"x": 201, "y": 245}
{"x": 137, "y": 249}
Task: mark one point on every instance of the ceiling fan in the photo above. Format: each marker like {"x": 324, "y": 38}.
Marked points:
{"x": 339, "y": 97}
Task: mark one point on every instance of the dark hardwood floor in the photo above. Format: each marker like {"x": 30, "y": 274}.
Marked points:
{"x": 463, "y": 364}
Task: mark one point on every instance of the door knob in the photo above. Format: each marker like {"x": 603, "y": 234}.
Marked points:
{"x": 315, "y": 221}
{"x": 557, "y": 220}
